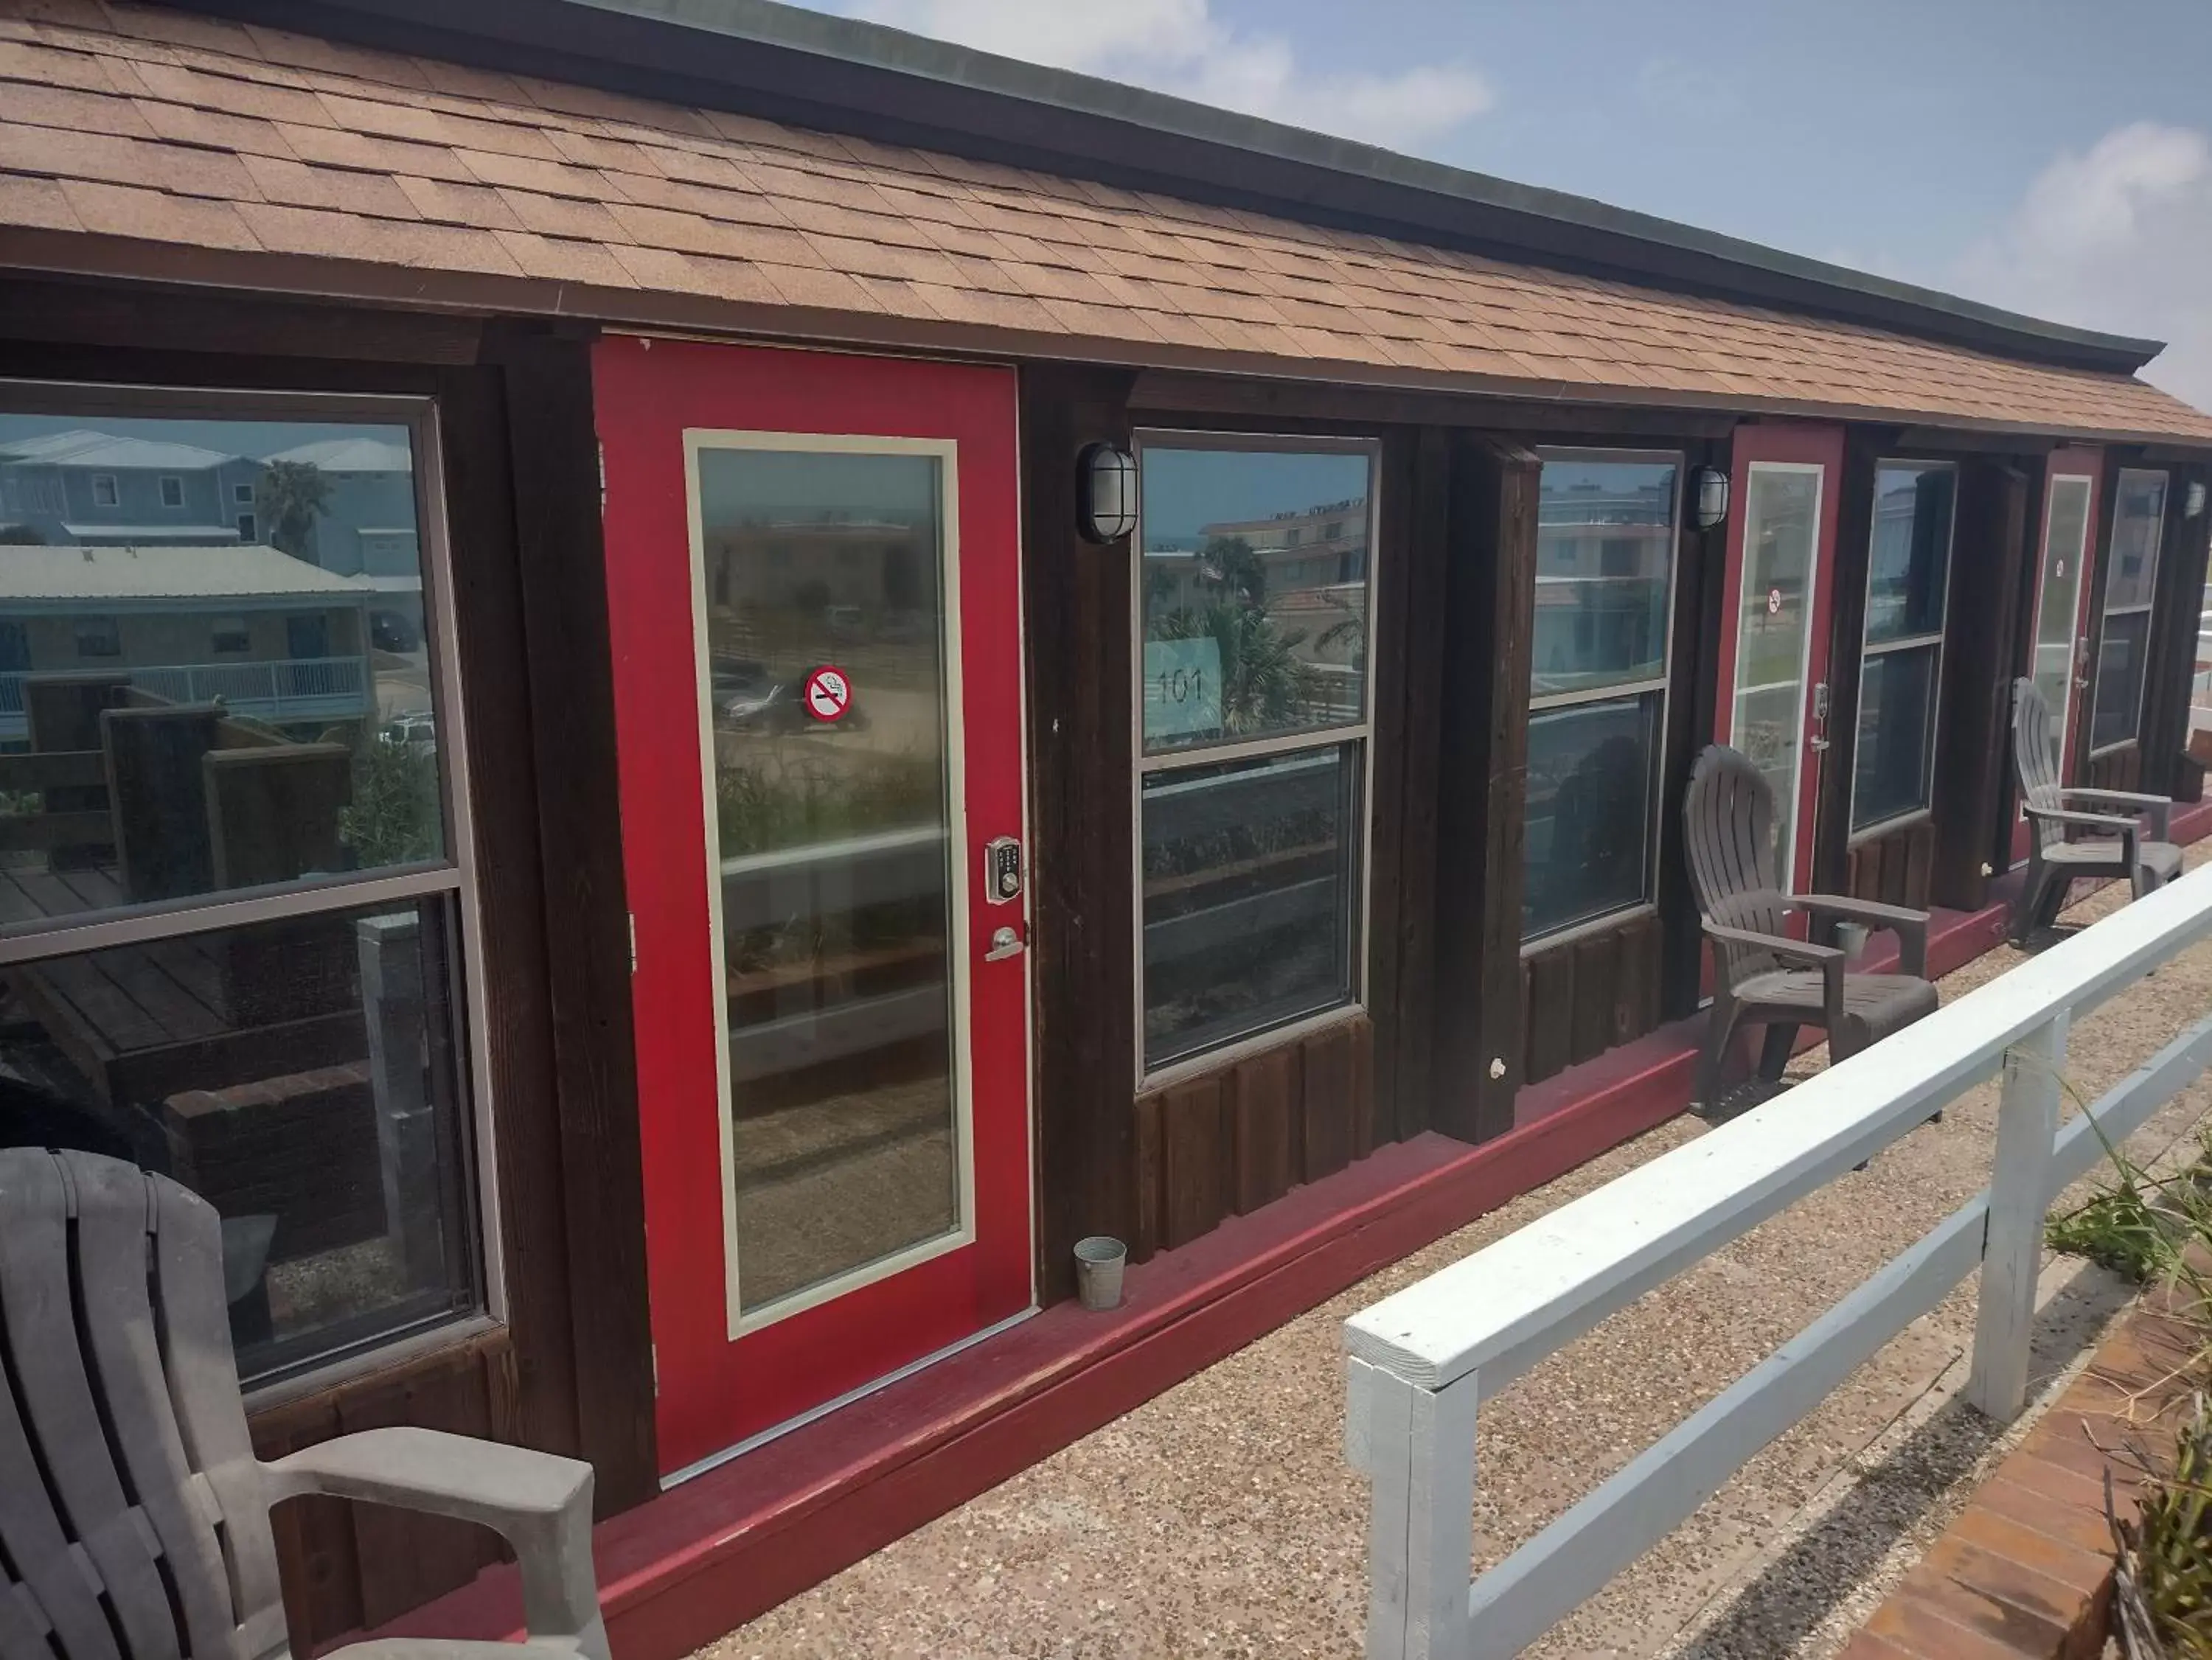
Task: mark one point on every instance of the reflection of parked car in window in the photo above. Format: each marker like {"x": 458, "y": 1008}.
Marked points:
{"x": 418, "y": 731}
{"x": 393, "y": 631}
{"x": 745, "y": 697}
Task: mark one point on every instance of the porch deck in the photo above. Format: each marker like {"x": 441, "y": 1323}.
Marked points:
{"x": 1221, "y": 1518}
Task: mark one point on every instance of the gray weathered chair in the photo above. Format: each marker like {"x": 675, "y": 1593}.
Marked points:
{"x": 134, "y": 1518}
{"x": 1761, "y": 973}
{"x": 2116, "y": 846}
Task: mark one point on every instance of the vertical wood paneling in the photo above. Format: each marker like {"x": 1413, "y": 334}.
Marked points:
{"x": 1362, "y": 1109}
{"x": 1589, "y": 995}
{"x": 348, "y": 1565}
{"x": 1264, "y": 1111}
{"x": 1146, "y": 1226}
{"x": 1490, "y": 608}
{"x": 1195, "y": 1160}
{"x": 1329, "y": 1102}
{"x": 1075, "y": 600}
{"x": 1597, "y": 982}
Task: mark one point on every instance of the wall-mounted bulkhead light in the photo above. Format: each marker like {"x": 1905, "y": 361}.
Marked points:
{"x": 1709, "y": 497}
{"x": 1105, "y": 492}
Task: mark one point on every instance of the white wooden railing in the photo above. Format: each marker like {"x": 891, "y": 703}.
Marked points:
{"x": 1421, "y": 1359}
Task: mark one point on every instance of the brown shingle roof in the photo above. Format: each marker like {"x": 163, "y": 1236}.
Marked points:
{"x": 309, "y": 166}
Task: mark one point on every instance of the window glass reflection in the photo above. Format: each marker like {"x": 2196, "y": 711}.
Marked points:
{"x": 1589, "y": 820}
{"x": 1897, "y": 707}
{"x": 2058, "y": 590}
{"x": 1254, "y": 593}
{"x": 2120, "y": 664}
{"x": 301, "y": 1076}
{"x": 1910, "y": 563}
{"x": 1774, "y": 633}
{"x": 1249, "y": 895}
{"x": 2138, "y": 517}
{"x": 836, "y": 891}
{"x": 1605, "y": 551}
{"x": 214, "y": 671}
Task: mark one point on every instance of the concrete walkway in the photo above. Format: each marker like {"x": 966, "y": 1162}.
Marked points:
{"x": 1220, "y": 1520}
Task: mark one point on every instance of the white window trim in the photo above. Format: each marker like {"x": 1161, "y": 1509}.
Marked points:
{"x": 115, "y": 490}
{"x": 2142, "y": 607}
{"x": 457, "y": 875}
{"x": 1869, "y": 649}
{"x": 1361, "y": 732}
{"x": 1621, "y": 692}
{"x": 161, "y": 493}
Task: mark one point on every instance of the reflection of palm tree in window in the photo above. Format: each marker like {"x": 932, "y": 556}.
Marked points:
{"x": 291, "y": 496}
{"x": 1263, "y": 684}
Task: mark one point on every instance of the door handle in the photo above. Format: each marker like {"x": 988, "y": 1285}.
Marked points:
{"x": 1004, "y": 943}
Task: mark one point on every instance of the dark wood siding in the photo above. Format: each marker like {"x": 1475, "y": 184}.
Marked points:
{"x": 570, "y": 1370}
{"x": 2166, "y": 767}
{"x": 1892, "y": 866}
{"x": 1227, "y": 1143}
{"x": 1589, "y": 994}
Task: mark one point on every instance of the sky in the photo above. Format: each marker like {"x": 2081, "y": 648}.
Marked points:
{"x": 2052, "y": 158}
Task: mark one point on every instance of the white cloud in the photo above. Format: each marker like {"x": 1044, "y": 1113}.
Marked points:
{"x": 1179, "y": 46}
{"x": 2117, "y": 237}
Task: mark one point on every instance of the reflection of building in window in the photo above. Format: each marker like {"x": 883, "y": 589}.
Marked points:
{"x": 164, "y": 612}
{"x": 817, "y": 574}
{"x": 2124, "y": 653}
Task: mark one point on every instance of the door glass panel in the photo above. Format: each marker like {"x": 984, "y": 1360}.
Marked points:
{"x": 1774, "y": 633}
{"x": 2065, "y": 534}
{"x": 821, "y": 585}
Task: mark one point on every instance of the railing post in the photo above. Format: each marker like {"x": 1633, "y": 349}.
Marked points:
{"x": 1417, "y": 1446}
{"x": 2020, "y": 1195}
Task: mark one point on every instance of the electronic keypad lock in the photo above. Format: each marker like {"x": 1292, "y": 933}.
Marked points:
{"x": 1002, "y": 869}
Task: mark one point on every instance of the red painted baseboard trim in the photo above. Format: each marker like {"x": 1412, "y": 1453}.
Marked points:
{"x": 703, "y": 1558}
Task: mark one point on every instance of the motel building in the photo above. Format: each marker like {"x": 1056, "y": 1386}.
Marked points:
{"x": 676, "y": 696}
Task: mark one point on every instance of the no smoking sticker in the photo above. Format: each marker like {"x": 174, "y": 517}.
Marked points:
{"x": 1773, "y": 602}
{"x": 828, "y": 693}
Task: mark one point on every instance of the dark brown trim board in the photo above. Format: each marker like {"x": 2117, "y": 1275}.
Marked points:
{"x": 2167, "y": 767}
{"x": 1992, "y": 567}
{"x": 1864, "y": 447}
{"x": 1483, "y": 700}
{"x": 1075, "y": 598}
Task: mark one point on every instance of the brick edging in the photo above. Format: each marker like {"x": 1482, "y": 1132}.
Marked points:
{"x": 2024, "y": 1573}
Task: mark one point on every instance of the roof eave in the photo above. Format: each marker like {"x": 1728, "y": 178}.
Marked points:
{"x": 841, "y": 74}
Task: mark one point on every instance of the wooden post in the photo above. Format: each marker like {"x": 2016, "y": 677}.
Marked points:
{"x": 2176, "y": 617}
{"x": 1417, "y": 1446}
{"x": 1483, "y": 787}
{"x": 2019, "y": 1193}
{"x": 1991, "y": 564}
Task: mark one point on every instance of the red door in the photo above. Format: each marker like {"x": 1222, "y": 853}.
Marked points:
{"x": 814, "y": 601}
{"x": 1773, "y": 670}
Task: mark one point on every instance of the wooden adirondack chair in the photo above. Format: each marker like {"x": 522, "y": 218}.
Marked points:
{"x": 134, "y": 1518}
{"x": 2116, "y": 847}
{"x": 1763, "y": 975}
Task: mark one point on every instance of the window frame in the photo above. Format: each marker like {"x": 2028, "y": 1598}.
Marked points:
{"x": 1869, "y": 649}
{"x": 161, "y": 490}
{"x": 456, "y": 877}
{"x": 1360, "y": 732}
{"x": 114, "y": 491}
{"x": 1619, "y": 691}
{"x": 2106, "y": 613}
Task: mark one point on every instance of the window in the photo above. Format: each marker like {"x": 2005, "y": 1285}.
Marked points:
{"x": 1252, "y": 717}
{"x": 173, "y": 490}
{"x": 2130, "y": 574}
{"x": 1908, "y": 601}
{"x": 242, "y": 494}
{"x": 104, "y": 492}
{"x": 1597, "y": 684}
{"x": 194, "y": 974}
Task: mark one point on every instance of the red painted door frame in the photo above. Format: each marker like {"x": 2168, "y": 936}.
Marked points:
{"x": 715, "y": 1390}
{"x": 1804, "y": 443}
